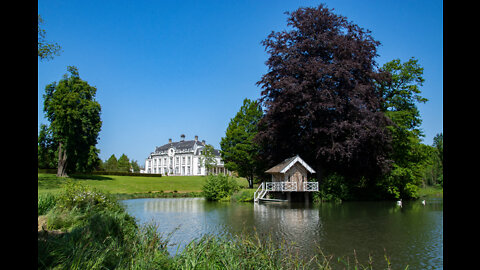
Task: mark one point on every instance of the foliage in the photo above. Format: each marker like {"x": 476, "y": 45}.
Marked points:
{"x": 320, "y": 99}
{"x": 438, "y": 160}
{"x": 46, "y": 50}
{"x": 135, "y": 166}
{"x": 111, "y": 164}
{"x": 243, "y": 195}
{"x": 123, "y": 163}
{"x": 332, "y": 188}
{"x": 401, "y": 93}
{"x": 83, "y": 197}
{"x": 219, "y": 186}
{"x": 74, "y": 117}
{"x": 208, "y": 158}
{"x": 47, "y": 148}
{"x": 432, "y": 171}
{"x": 239, "y": 152}
{"x": 101, "y": 238}
{"x": 45, "y": 203}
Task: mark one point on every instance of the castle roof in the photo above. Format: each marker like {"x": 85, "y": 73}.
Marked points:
{"x": 181, "y": 145}
{"x": 178, "y": 145}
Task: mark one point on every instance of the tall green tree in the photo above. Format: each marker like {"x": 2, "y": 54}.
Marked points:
{"x": 46, "y": 49}
{"x": 401, "y": 94}
{"x": 238, "y": 150}
{"x": 438, "y": 144}
{"x": 111, "y": 164}
{"x": 123, "y": 163}
{"x": 438, "y": 159}
{"x": 74, "y": 117}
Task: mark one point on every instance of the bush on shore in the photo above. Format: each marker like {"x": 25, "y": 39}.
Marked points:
{"x": 218, "y": 187}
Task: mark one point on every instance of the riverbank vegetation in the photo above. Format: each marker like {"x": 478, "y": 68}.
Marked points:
{"x": 81, "y": 227}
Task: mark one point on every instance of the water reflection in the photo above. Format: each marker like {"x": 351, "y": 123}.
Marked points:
{"x": 296, "y": 224}
{"x": 189, "y": 205}
{"x": 412, "y": 234}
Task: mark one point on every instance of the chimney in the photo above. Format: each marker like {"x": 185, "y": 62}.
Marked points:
{"x": 196, "y": 138}
{"x": 182, "y": 137}
{"x": 169, "y": 140}
{"x": 203, "y": 142}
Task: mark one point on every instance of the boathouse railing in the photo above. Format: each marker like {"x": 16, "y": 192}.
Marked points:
{"x": 265, "y": 187}
{"x": 290, "y": 186}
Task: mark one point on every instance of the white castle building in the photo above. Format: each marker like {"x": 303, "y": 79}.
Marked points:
{"x": 182, "y": 158}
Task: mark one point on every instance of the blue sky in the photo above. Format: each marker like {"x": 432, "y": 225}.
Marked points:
{"x": 165, "y": 68}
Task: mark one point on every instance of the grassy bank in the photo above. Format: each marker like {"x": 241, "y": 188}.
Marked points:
{"x": 430, "y": 191}
{"x": 83, "y": 228}
{"x": 133, "y": 186}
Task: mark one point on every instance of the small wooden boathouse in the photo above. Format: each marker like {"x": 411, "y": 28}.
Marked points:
{"x": 288, "y": 176}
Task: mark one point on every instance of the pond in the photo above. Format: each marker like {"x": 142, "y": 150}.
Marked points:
{"x": 412, "y": 234}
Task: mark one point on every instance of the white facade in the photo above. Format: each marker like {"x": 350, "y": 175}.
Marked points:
{"x": 181, "y": 158}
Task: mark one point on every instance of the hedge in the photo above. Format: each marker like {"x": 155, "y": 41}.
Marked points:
{"x": 54, "y": 171}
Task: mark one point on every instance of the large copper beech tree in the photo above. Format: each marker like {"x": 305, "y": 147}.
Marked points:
{"x": 320, "y": 97}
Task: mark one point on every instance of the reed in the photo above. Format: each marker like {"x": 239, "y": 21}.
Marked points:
{"x": 99, "y": 234}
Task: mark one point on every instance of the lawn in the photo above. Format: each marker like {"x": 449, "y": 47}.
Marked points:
{"x": 115, "y": 184}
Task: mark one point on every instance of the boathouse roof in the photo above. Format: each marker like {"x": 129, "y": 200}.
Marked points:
{"x": 285, "y": 165}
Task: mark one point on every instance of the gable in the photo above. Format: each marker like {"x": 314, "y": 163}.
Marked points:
{"x": 285, "y": 165}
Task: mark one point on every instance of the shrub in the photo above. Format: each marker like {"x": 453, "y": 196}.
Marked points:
{"x": 101, "y": 235}
{"x": 244, "y": 195}
{"x": 400, "y": 183}
{"x": 76, "y": 195}
{"x": 219, "y": 186}
{"x": 332, "y": 188}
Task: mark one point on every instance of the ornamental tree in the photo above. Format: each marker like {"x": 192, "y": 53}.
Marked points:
{"x": 320, "y": 96}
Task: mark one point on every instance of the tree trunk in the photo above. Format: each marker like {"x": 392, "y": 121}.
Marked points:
{"x": 250, "y": 182}
{"x": 62, "y": 162}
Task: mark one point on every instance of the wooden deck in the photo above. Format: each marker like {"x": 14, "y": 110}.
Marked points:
{"x": 265, "y": 187}
{"x": 271, "y": 200}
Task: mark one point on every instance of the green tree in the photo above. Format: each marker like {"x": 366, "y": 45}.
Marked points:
{"x": 111, "y": 164}
{"x": 123, "y": 164}
{"x": 208, "y": 158}
{"x": 47, "y": 147}
{"x": 401, "y": 94}
{"x": 238, "y": 150}
{"x": 46, "y": 49}
{"x": 74, "y": 117}
{"x": 135, "y": 166}
{"x": 437, "y": 173}
{"x": 438, "y": 144}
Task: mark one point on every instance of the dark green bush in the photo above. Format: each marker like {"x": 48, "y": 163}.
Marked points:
{"x": 332, "y": 188}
